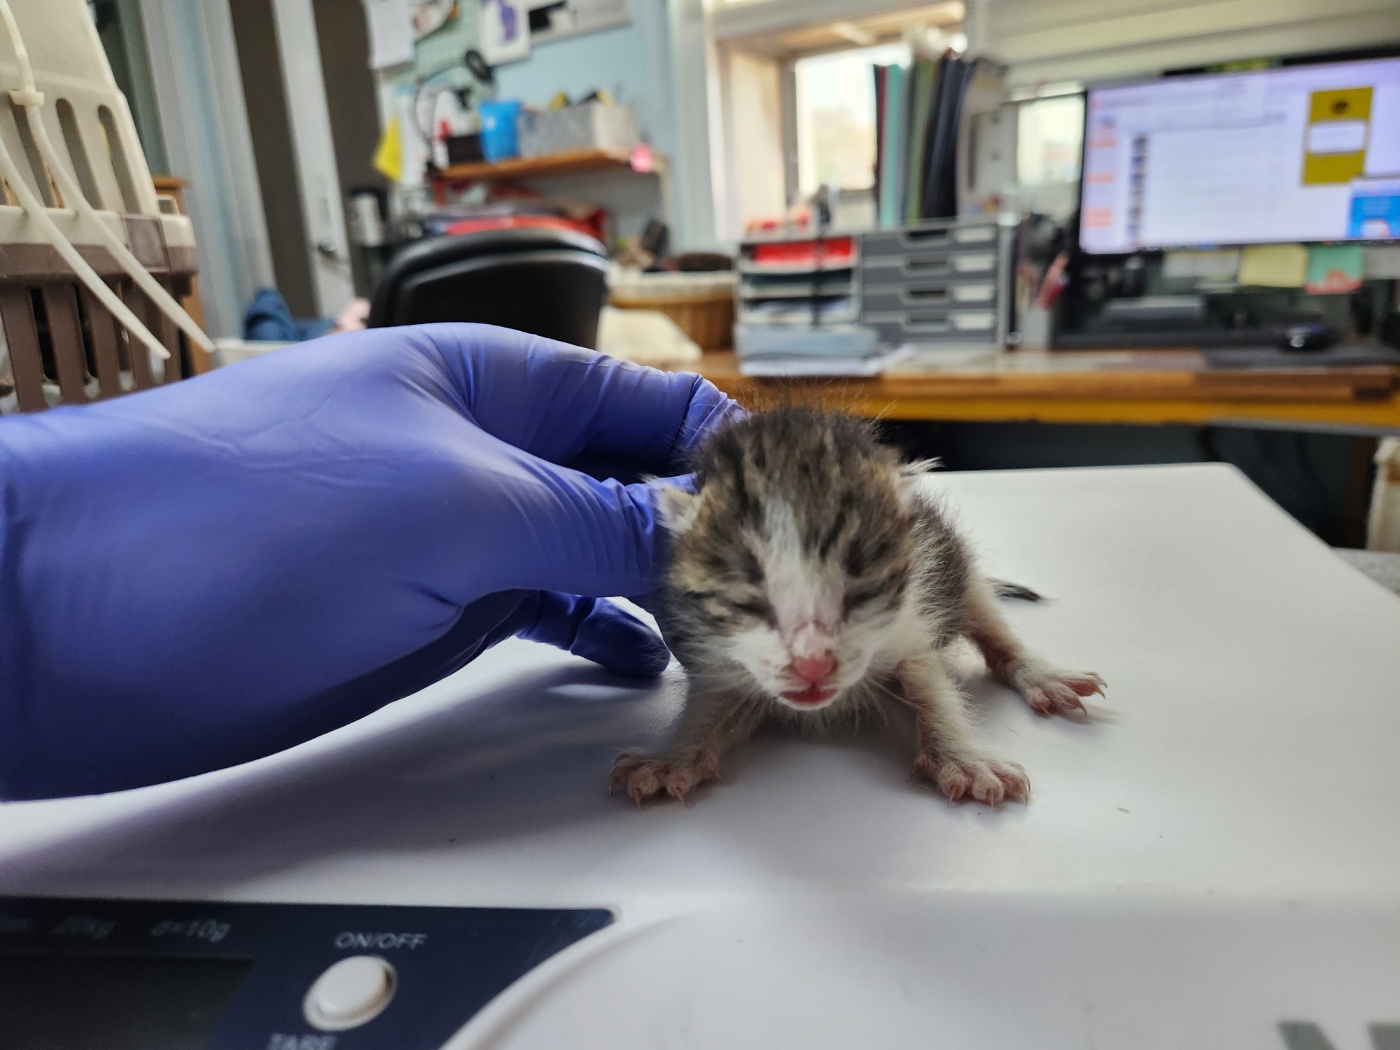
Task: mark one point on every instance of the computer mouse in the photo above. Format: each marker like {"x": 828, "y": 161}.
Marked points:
{"x": 1308, "y": 335}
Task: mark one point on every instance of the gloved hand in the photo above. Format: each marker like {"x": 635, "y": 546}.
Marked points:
{"x": 218, "y": 569}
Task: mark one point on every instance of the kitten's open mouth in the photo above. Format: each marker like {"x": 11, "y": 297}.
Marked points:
{"x": 813, "y": 694}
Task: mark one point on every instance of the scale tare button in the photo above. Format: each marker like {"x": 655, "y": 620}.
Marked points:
{"x": 350, "y": 993}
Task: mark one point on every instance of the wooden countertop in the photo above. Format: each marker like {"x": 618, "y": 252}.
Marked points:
{"x": 1100, "y": 386}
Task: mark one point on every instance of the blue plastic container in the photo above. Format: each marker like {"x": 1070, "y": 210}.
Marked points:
{"x": 498, "y": 136}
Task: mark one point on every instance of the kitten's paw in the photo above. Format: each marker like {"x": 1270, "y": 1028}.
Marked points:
{"x": 985, "y": 779}
{"x": 644, "y": 776}
{"x": 1053, "y": 692}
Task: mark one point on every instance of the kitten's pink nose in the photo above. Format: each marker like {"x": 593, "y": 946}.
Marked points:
{"x": 814, "y": 670}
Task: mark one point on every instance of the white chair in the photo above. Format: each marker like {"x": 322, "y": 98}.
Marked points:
{"x": 88, "y": 258}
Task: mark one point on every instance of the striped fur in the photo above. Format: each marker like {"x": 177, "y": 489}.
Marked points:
{"x": 805, "y": 536}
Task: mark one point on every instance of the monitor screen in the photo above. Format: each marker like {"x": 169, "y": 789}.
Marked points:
{"x": 1298, "y": 153}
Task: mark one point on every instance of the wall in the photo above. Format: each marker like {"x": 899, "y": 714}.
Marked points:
{"x": 204, "y": 123}
{"x": 752, "y": 86}
{"x": 264, "y": 93}
{"x": 632, "y": 62}
{"x": 351, "y": 105}
{"x": 124, "y": 41}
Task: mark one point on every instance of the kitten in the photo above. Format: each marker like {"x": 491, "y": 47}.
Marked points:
{"x": 812, "y": 576}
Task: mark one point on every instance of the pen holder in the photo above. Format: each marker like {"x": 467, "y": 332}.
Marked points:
{"x": 1036, "y": 328}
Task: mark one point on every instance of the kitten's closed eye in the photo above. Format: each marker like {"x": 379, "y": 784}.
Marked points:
{"x": 861, "y": 597}
{"x": 863, "y": 554}
{"x": 758, "y": 608}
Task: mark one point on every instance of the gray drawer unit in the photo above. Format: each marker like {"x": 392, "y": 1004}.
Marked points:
{"x": 879, "y": 298}
{"x": 944, "y": 283}
{"x": 933, "y": 327}
{"x": 796, "y": 288}
{"x": 933, "y": 262}
{"x": 933, "y": 236}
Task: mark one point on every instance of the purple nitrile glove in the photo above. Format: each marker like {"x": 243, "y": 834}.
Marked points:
{"x": 209, "y": 572}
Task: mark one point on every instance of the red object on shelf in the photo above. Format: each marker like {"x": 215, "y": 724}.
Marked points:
{"x": 829, "y": 251}
{"x": 502, "y": 222}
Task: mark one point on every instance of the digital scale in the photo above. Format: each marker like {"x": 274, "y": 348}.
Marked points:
{"x": 1212, "y": 861}
{"x": 113, "y": 975}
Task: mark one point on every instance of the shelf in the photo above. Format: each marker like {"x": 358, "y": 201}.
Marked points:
{"x": 556, "y": 164}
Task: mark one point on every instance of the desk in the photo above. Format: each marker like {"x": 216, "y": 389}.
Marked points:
{"x": 1127, "y": 386}
{"x": 1218, "y": 851}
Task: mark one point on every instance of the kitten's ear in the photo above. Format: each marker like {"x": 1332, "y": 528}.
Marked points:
{"x": 908, "y": 481}
{"x": 678, "y": 508}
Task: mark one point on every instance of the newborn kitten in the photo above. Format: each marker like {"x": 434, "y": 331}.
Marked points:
{"x": 812, "y": 577}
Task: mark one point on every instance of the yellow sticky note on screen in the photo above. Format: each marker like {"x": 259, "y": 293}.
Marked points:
{"x": 388, "y": 155}
{"x": 1274, "y": 265}
{"x": 1339, "y": 126}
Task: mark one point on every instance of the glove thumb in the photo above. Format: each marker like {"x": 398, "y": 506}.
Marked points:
{"x": 596, "y": 629}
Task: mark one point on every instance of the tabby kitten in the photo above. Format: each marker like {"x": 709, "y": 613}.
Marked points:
{"x": 814, "y": 576}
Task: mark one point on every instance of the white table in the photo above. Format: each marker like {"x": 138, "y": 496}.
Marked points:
{"x": 1218, "y": 852}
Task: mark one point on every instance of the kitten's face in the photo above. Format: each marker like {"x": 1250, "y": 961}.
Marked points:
{"x": 795, "y": 575}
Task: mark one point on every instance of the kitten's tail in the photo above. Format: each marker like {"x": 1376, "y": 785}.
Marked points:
{"x": 1015, "y": 591}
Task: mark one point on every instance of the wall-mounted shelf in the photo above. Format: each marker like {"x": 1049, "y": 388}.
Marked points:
{"x": 576, "y": 163}
{"x": 615, "y": 194}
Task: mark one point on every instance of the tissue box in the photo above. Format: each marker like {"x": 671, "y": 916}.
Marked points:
{"x": 588, "y": 125}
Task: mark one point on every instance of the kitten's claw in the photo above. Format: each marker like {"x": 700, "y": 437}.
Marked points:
{"x": 645, "y": 776}
{"x": 985, "y": 779}
{"x": 1054, "y": 692}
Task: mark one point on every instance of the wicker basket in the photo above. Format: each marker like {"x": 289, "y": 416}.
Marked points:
{"x": 702, "y": 305}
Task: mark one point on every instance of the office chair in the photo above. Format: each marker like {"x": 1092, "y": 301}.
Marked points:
{"x": 545, "y": 281}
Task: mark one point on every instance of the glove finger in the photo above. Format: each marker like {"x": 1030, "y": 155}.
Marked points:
{"x": 575, "y": 407}
{"x": 597, "y": 630}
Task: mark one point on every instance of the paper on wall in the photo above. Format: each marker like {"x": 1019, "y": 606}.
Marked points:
{"x": 390, "y": 25}
{"x": 1221, "y": 265}
{"x": 1274, "y": 265}
{"x": 573, "y": 17}
{"x": 502, "y": 30}
{"x": 431, "y": 15}
{"x": 1382, "y": 262}
{"x": 388, "y": 155}
{"x": 413, "y": 151}
{"x": 1334, "y": 268}
{"x": 443, "y": 33}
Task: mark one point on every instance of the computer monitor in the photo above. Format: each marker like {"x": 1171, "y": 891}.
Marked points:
{"x": 1296, "y": 153}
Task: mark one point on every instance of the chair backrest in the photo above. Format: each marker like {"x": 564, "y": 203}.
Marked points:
{"x": 60, "y": 342}
{"x": 547, "y": 282}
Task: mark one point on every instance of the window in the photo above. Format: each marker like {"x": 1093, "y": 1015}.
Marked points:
{"x": 835, "y": 113}
{"x": 797, "y": 96}
{"x": 1049, "y": 134}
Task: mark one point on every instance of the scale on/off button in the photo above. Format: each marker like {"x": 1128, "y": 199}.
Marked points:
{"x": 350, "y": 993}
